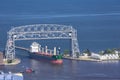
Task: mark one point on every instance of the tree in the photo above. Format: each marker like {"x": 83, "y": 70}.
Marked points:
{"x": 66, "y": 52}
{"x": 109, "y": 51}
{"x": 77, "y": 54}
{"x": 101, "y": 52}
{"x": 87, "y": 51}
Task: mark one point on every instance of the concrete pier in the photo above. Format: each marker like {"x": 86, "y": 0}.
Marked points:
{"x": 4, "y": 61}
{"x": 14, "y": 62}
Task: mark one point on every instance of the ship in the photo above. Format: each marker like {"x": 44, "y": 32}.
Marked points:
{"x": 10, "y": 76}
{"x": 45, "y": 54}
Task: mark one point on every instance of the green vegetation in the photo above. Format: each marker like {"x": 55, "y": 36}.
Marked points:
{"x": 101, "y": 52}
{"x": 108, "y": 51}
{"x": 87, "y": 51}
{"x": 77, "y": 54}
{"x": 119, "y": 54}
{"x": 66, "y": 53}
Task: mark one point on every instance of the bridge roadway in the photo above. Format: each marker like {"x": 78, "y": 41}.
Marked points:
{"x": 22, "y": 48}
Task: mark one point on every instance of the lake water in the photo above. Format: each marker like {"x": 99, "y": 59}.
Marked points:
{"x": 98, "y": 26}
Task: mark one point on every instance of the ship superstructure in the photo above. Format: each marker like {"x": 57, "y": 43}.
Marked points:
{"x": 37, "y": 52}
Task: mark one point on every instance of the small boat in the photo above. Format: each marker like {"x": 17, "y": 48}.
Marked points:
{"x": 29, "y": 70}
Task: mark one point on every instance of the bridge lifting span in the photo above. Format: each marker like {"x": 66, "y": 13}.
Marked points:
{"x": 41, "y": 31}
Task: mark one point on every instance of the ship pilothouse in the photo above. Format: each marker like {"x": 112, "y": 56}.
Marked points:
{"x": 35, "y": 47}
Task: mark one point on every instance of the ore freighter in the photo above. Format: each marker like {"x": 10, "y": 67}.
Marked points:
{"x": 37, "y": 52}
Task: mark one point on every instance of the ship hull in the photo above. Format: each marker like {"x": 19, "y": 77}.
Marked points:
{"x": 44, "y": 57}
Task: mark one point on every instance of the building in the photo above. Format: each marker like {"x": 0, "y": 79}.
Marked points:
{"x": 109, "y": 56}
{"x": 11, "y": 76}
{"x": 105, "y": 56}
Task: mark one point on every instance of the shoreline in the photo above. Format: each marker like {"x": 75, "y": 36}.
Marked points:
{"x": 81, "y": 58}
{"x": 15, "y": 62}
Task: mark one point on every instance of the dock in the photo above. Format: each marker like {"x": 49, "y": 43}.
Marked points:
{"x": 1, "y": 58}
{"x": 82, "y": 58}
{"x": 15, "y": 61}
{"x": 3, "y": 61}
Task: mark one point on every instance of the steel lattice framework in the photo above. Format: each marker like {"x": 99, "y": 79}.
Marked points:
{"x": 41, "y": 31}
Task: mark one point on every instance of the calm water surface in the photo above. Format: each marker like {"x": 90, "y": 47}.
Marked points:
{"x": 69, "y": 70}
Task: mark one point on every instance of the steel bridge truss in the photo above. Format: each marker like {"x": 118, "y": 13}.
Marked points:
{"x": 41, "y": 31}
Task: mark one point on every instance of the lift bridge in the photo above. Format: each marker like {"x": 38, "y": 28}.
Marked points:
{"x": 41, "y": 31}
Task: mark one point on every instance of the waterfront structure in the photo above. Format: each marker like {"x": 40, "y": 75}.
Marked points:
{"x": 109, "y": 56}
{"x": 105, "y": 56}
{"x": 41, "y": 31}
{"x": 10, "y": 76}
